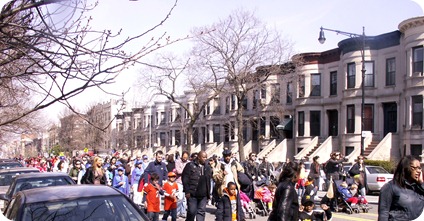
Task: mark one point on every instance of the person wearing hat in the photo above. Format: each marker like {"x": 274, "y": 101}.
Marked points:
{"x": 306, "y": 211}
{"x": 170, "y": 188}
{"x": 228, "y": 169}
{"x": 120, "y": 181}
{"x": 135, "y": 179}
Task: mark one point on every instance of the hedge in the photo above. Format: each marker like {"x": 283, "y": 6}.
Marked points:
{"x": 387, "y": 165}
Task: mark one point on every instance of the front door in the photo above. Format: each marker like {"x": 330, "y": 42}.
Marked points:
{"x": 390, "y": 118}
{"x": 333, "y": 123}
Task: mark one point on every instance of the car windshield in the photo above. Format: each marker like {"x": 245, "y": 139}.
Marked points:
{"x": 6, "y": 178}
{"x": 25, "y": 184}
{"x": 373, "y": 170}
{"x": 7, "y": 165}
{"x": 93, "y": 208}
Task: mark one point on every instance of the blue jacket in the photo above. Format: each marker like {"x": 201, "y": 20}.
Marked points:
{"x": 123, "y": 188}
{"x": 156, "y": 167}
{"x": 136, "y": 175}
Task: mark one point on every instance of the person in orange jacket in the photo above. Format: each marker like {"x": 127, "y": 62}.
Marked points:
{"x": 171, "y": 188}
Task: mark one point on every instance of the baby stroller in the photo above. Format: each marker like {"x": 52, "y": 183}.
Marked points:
{"x": 247, "y": 205}
{"x": 343, "y": 205}
{"x": 262, "y": 197}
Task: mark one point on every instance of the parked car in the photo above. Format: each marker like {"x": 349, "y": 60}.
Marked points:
{"x": 34, "y": 180}
{"x": 77, "y": 202}
{"x": 376, "y": 177}
{"x": 7, "y": 175}
{"x": 10, "y": 164}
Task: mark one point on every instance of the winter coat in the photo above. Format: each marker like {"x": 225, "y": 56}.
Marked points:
{"x": 196, "y": 179}
{"x": 156, "y": 167}
{"x": 396, "y": 203}
{"x": 251, "y": 168}
{"x": 220, "y": 178}
{"x": 286, "y": 204}
{"x": 224, "y": 209}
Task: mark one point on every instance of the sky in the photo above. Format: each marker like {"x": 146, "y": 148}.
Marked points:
{"x": 298, "y": 21}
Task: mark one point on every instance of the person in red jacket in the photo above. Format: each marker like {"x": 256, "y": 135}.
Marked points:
{"x": 153, "y": 190}
{"x": 171, "y": 188}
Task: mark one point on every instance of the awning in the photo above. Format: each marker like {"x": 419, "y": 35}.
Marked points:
{"x": 286, "y": 124}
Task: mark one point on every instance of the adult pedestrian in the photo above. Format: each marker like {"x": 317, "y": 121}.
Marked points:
{"x": 135, "y": 180}
{"x": 157, "y": 167}
{"x": 251, "y": 167}
{"x": 265, "y": 169}
{"x": 196, "y": 184}
{"x": 75, "y": 170}
{"x": 170, "y": 166}
{"x": 315, "y": 173}
{"x": 286, "y": 204}
{"x": 357, "y": 171}
{"x": 334, "y": 166}
{"x": 95, "y": 174}
{"x": 180, "y": 164}
{"x": 402, "y": 198}
{"x": 227, "y": 172}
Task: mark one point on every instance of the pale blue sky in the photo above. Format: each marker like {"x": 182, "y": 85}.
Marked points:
{"x": 298, "y": 20}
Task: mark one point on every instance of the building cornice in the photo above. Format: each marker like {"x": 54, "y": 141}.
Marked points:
{"x": 411, "y": 23}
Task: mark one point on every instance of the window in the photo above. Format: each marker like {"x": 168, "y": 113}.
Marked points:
{"x": 315, "y": 85}
{"x": 369, "y": 74}
{"x": 417, "y": 111}
{"x": 368, "y": 117}
{"x": 315, "y": 123}
{"x": 289, "y": 94}
{"x": 302, "y": 86}
{"x": 275, "y": 94}
{"x": 333, "y": 83}
{"x": 351, "y": 74}
{"x": 244, "y": 103}
{"x": 416, "y": 150}
{"x": 417, "y": 60}
{"x": 390, "y": 71}
{"x": 263, "y": 92}
{"x": 350, "y": 119}
{"x": 301, "y": 123}
{"x": 233, "y": 101}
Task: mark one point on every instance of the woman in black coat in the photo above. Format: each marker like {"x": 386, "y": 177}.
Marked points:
{"x": 286, "y": 204}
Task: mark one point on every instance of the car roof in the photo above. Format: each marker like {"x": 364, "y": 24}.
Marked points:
{"x": 19, "y": 169}
{"x": 41, "y": 175}
{"x": 58, "y": 193}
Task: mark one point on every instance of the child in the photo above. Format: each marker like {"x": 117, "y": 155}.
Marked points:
{"x": 307, "y": 212}
{"x": 309, "y": 188}
{"x": 152, "y": 190}
{"x": 229, "y": 207}
{"x": 301, "y": 180}
{"x": 120, "y": 181}
{"x": 347, "y": 195}
{"x": 171, "y": 188}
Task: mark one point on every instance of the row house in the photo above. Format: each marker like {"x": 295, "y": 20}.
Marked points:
{"x": 316, "y": 108}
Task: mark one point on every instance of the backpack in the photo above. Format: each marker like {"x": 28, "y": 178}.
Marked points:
{"x": 324, "y": 166}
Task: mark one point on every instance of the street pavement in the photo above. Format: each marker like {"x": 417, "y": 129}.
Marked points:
{"x": 372, "y": 215}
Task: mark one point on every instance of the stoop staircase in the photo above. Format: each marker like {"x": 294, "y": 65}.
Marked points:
{"x": 370, "y": 148}
{"x": 313, "y": 150}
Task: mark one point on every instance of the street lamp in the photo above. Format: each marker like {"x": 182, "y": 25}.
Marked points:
{"x": 321, "y": 40}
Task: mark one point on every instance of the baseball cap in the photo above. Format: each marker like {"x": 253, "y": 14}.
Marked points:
{"x": 226, "y": 152}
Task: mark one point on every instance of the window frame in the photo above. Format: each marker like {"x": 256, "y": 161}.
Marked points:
{"x": 417, "y": 110}
{"x": 418, "y": 59}
{"x": 390, "y": 74}
{"x": 333, "y": 83}
{"x": 301, "y": 123}
{"x": 350, "y": 118}
{"x": 351, "y": 75}
{"x": 315, "y": 88}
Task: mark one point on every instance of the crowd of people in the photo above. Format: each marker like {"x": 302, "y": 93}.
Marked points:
{"x": 186, "y": 183}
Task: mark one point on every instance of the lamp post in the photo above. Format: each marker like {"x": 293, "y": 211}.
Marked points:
{"x": 322, "y": 39}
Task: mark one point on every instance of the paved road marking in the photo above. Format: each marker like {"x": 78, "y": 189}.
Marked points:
{"x": 350, "y": 217}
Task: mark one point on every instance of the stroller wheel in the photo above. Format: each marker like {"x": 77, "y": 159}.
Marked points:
{"x": 348, "y": 211}
{"x": 356, "y": 210}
